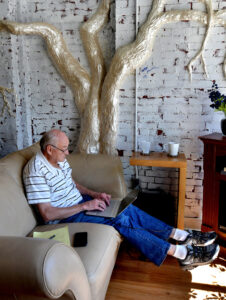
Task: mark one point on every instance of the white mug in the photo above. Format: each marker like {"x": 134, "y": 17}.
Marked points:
{"x": 145, "y": 147}
{"x": 172, "y": 148}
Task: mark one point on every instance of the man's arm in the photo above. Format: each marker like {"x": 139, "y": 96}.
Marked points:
{"x": 49, "y": 212}
{"x": 100, "y": 196}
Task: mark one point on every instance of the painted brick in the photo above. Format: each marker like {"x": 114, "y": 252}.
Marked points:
{"x": 165, "y": 187}
{"x": 162, "y": 180}
{"x": 170, "y": 107}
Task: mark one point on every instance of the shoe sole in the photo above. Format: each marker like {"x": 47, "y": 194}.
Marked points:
{"x": 192, "y": 266}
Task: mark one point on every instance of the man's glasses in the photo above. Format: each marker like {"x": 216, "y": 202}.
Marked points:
{"x": 59, "y": 148}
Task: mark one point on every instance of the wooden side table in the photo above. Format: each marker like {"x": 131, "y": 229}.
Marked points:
{"x": 161, "y": 159}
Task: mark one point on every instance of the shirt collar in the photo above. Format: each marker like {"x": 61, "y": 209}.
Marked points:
{"x": 47, "y": 163}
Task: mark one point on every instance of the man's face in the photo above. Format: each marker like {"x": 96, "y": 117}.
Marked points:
{"x": 60, "y": 148}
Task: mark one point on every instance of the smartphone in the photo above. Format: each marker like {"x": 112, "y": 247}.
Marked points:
{"x": 80, "y": 239}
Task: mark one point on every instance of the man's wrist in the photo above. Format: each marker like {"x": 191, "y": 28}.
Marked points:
{"x": 82, "y": 206}
{"x": 95, "y": 195}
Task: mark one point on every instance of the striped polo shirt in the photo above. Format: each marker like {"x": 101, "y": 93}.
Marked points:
{"x": 45, "y": 183}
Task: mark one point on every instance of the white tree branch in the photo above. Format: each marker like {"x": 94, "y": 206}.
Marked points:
{"x": 220, "y": 13}
{"x": 87, "y": 90}
{"x": 157, "y": 8}
{"x": 200, "y": 53}
{"x": 66, "y": 64}
{"x": 130, "y": 57}
{"x": 6, "y": 104}
{"x": 89, "y": 134}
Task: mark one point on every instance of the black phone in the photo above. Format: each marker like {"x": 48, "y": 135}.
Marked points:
{"x": 80, "y": 239}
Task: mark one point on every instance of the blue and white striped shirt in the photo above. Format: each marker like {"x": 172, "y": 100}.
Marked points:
{"x": 45, "y": 183}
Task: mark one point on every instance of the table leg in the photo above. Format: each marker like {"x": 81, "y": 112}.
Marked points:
{"x": 181, "y": 201}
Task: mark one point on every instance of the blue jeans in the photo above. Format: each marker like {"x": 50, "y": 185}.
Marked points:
{"x": 145, "y": 232}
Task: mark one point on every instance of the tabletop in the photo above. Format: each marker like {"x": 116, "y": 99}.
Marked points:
{"x": 158, "y": 159}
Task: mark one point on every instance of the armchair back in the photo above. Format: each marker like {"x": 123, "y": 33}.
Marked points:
{"x": 16, "y": 216}
{"x": 96, "y": 171}
{"x": 99, "y": 172}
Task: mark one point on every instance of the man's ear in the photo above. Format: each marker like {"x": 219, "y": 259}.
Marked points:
{"x": 49, "y": 150}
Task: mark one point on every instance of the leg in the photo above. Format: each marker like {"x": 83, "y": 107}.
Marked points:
{"x": 151, "y": 224}
{"x": 153, "y": 247}
{"x": 138, "y": 218}
{"x": 136, "y": 226}
{"x": 130, "y": 224}
{"x": 182, "y": 187}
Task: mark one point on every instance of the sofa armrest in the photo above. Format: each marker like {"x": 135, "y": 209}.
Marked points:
{"x": 41, "y": 267}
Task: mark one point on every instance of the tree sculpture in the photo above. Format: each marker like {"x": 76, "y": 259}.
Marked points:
{"x": 96, "y": 94}
{"x": 6, "y": 105}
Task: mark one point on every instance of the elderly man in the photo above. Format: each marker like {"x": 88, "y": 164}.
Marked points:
{"x": 49, "y": 186}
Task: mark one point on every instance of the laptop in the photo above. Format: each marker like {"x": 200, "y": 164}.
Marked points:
{"x": 116, "y": 207}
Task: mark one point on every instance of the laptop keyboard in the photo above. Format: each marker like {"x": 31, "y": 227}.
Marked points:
{"x": 111, "y": 209}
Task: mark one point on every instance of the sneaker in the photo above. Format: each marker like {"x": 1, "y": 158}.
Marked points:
{"x": 198, "y": 256}
{"x": 198, "y": 238}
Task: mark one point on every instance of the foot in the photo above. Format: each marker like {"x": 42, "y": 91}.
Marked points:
{"x": 198, "y": 238}
{"x": 198, "y": 256}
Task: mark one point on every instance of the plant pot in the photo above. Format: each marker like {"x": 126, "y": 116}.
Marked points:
{"x": 223, "y": 126}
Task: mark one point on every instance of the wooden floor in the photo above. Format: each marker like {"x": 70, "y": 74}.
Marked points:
{"x": 136, "y": 278}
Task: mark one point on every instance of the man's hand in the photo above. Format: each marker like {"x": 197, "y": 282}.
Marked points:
{"x": 95, "y": 204}
{"x": 95, "y": 195}
{"x": 104, "y": 197}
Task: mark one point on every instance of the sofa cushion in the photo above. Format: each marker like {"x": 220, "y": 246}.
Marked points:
{"x": 98, "y": 256}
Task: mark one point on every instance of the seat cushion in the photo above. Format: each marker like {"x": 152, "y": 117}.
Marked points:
{"x": 98, "y": 256}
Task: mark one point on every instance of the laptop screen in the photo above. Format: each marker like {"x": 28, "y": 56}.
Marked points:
{"x": 130, "y": 198}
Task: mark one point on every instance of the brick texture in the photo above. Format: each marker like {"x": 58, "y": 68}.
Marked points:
{"x": 170, "y": 107}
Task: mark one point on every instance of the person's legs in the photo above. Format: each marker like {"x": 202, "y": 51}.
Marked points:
{"x": 143, "y": 231}
{"x": 152, "y": 246}
{"x": 148, "y": 222}
{"x": 138, "y": 220}
{"x": 150, "y": 236}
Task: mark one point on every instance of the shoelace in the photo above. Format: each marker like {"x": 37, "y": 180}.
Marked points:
{"x": 197, "y": 236}
{"x": 197, "y": 252}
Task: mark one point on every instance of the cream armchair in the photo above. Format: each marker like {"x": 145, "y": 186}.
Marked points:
{"x": 46, "y": 269}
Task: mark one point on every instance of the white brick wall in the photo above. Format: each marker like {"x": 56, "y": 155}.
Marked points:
{"x": 170, "y": 107}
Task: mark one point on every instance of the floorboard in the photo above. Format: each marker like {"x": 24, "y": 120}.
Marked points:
{"x": 135, "y": 278}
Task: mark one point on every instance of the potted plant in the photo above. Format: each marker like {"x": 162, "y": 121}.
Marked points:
{"x": 218, "y": 103}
